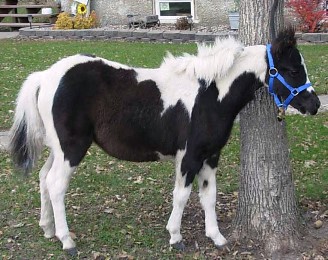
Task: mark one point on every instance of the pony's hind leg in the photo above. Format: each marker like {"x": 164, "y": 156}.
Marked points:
{"x": 47, "y": 216}
{"x": 57, "y": 182}
{"x": 207, "y": 196}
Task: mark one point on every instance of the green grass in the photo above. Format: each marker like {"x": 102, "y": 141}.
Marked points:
{"x": 120, "y": 208}
{"x": 316, "y": 59}
{"x": 309, "y": 153}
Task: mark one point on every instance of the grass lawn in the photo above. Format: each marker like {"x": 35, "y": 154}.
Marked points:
{"x": 316, "y": 59}
{"x": 120, "y": 209}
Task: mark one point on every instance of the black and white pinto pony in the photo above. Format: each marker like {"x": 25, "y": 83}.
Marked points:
{"x": 185, "y": 109}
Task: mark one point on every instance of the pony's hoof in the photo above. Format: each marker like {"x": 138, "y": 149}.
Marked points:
{"x": 71, "y": 251}
{"x": 179, "y": 246}
{"x": 49, "y": 235}
{"x": 223, "y": 247}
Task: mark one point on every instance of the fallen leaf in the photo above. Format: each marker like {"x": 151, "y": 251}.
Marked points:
{"x": 73, "y": 236}
{"x": 109, "y": 210}
{"x": 318, "y": 224}
{"x": 139, "y": 180}
{"x": 309, "y": 163}
{"x": 125, "y": 256}
{"x": 17, "y": 225}
{"x": 324, "y": 215}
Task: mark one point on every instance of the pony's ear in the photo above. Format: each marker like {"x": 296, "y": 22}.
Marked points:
{"x": 286, "y": 39}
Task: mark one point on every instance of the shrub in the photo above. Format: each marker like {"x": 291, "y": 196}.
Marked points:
{"x": 82, "y": 22}
{"x": 182, "y": 23}
{"x": 66, "y": 22}
{"x": 311, "y": 14}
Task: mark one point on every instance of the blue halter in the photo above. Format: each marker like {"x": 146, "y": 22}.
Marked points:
{"x": 273, "y": 73}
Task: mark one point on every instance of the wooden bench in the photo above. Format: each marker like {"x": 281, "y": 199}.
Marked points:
{"x": 20, "y": 20}
{"x": 135, "y": 20}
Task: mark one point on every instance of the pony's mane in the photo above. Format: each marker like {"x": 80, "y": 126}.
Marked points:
{"x": 286, "y": 39}
{"x": 210, "y": 63}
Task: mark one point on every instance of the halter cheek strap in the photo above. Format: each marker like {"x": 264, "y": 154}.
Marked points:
{"x": 274, "y": 74}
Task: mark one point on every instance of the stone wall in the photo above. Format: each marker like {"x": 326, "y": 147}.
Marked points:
{"x": 207, "y": 12}
{"x": 115, "y": 11}
{"x": 145, "y": 35}
{"x": 212, "y": 12}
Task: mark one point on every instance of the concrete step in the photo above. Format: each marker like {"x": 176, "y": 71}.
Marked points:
{"x": 24, "y": 6}
{"x": 21, "y": 25}
{"x": 25, "y": 15}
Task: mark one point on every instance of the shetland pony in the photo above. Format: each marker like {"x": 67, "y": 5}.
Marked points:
{"x": 185, "y": 109}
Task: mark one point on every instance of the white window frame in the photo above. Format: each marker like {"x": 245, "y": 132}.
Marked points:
{"x": 172, "y": 19}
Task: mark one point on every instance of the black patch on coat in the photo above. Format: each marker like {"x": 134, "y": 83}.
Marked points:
{"x": 205, "y": 184}
{"x": 213, "y": 161}
{"x": 212, "y": 120}
{"x": 100, "y": 103}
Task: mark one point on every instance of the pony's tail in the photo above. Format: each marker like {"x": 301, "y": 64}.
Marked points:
{"x": 27, "y": 132}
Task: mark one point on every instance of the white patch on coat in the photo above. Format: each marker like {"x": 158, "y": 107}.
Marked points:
{"x": 309, "y": 89}
{"x": 164, "y": 158}
{"x": 57, "y": 181}
{"x": 47, "y": 221}
{"x": 173, "y": 87}
{"x": 177, "y": 78}
{"x": 180, "y": 197}
{"x": 252, "y": 59}
{"x": 207, "y": 196}
{"x": 211, "y": 62}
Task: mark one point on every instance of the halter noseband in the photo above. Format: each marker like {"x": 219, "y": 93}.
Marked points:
{"x": 273, "y": 73}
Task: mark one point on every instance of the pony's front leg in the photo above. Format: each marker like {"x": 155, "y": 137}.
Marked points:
{"x": 180, "y": 197}
{"x": 47, "y": 216}
{"x": 57, "y": 181}
{"x": 207, "y": 196}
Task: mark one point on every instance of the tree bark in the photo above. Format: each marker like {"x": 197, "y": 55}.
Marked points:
{"x": 267, "y": 208}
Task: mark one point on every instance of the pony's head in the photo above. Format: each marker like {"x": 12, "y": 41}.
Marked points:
{"x": 287, "y": 75}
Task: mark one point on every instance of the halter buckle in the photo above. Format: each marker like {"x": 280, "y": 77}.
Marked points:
{"x": 273, "y": 72}
{"x": 294, "y": 92}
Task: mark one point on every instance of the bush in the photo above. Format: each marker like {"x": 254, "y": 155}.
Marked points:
{"x": 310, "y": 13}
{"x": 66, "y": 22}
{"x": 81, "y": 22}
{"x": 182, "y": 23}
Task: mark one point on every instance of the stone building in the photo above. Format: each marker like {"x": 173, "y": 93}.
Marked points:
{"x": 204, "y": 12}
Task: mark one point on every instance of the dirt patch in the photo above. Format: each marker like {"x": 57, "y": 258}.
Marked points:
{"x": 313, "y": 245}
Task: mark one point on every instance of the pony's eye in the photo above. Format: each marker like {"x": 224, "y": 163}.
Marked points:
{"x": 294, "y": 73}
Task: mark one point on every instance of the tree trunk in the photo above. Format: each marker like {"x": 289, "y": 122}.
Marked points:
{"x": 267, "y": 208}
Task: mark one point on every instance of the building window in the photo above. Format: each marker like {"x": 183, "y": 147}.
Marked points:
{"x": 170, "y": 10}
